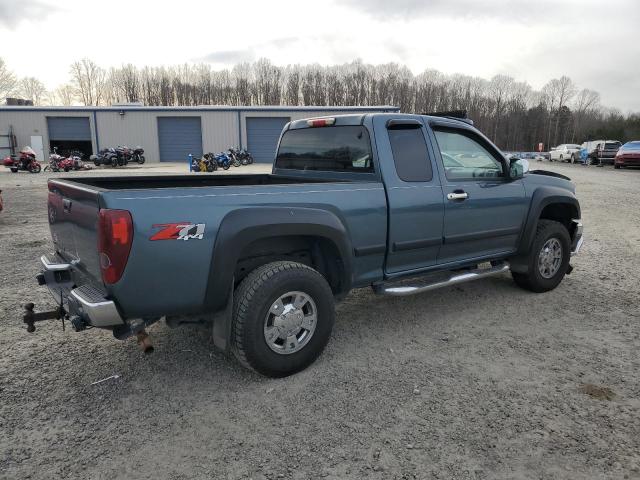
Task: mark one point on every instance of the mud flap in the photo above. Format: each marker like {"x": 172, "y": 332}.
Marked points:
{"x": 222, "y": 324}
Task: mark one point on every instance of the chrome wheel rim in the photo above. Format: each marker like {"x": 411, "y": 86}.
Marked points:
{"x": 290, "y": 322}
{"x": 550, "y": 258}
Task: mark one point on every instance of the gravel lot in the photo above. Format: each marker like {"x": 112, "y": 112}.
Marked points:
{"x": 480, "y": 381}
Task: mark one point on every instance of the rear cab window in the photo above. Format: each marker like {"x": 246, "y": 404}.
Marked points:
{"x": 342, "y": 148}
{"x": 410, "y": 154}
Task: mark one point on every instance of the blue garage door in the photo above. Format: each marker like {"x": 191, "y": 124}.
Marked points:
{"x": 69, "y": 128}
{"x": 262, "y": 137}
{"x": 178, "y": 137}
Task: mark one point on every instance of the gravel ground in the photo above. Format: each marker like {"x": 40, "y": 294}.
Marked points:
{"x": 479, "y": 381}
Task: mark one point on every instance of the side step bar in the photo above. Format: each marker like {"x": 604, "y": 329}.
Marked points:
{"x": 424, "y": 284}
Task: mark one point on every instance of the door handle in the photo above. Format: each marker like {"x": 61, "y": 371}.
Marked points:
{"x": 457, "y": 195}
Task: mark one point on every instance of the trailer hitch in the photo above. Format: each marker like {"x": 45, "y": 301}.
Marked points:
{"x": 30, "y": 317}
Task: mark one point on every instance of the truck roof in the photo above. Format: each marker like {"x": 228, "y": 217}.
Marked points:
{"x": 358, "y": 119}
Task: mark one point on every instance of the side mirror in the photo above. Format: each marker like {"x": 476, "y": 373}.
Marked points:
{"x": 518, "y": 167}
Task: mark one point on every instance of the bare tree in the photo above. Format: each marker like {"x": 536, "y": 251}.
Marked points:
{"x": 89, "y": 80}
{"x": 32, "y": 89}
{"x": 586, "y": 103}
{"x": 8, "y": 81}
{"x": 500, "y": 88}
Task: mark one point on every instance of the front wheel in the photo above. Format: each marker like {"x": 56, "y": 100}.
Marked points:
{"x": 35, "y": 168}
{"x": 141, "y": 159}
{"x": 14, "y": 169}
{"x": 573, "y": 158}
{"x": 283, "y": 317}
{"x": 225, "y": 166}
{"x": 548, "y": 258}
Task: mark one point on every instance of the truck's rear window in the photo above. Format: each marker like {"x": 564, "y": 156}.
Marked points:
{"x": 336, "y": 149}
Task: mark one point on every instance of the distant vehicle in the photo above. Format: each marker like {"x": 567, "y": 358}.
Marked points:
{"x": 567, "y": 152}
{"x": 606, "y": 152}
{"x": 628, "y": 155}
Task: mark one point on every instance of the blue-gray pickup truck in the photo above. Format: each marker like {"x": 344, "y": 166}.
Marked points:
{"x": 397, "y": 202}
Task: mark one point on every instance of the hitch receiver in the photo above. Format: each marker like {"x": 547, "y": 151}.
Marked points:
{"x": 30, "y": 317}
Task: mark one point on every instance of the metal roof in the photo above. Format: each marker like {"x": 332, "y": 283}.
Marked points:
{"x": 204, "y": 108}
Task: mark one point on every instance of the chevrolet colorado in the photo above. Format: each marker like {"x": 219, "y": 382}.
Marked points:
{"x": 401, "y": 203}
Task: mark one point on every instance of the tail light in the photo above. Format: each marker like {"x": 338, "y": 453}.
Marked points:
{"x": 321, "y": 122}
{"x": 115, "y": 236}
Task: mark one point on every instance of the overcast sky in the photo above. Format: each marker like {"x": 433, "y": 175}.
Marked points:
{"x": 596, "y": 43}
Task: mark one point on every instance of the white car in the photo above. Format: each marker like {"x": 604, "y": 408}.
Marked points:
{"x": 567, "y": 152}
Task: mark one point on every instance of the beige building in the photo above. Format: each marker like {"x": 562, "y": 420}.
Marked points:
{"x": 166, "y": 133}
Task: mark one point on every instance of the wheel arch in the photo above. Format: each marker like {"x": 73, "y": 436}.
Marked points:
{"x": 262, "y": 233}
{"x": 549, "y": 203}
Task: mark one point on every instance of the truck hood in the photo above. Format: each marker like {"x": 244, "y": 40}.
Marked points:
{"x": 549, "y": 174}
{"x": 538, "y": 178}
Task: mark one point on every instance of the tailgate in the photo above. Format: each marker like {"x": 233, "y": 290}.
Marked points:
{"x": 73, "y": 220}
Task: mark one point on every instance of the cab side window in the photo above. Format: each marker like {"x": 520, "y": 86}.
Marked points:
{"x": 465, "y": 158}
{"x": 410, "y": 154}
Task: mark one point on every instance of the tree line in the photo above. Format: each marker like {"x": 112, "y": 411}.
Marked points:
{"x": 511, "y": 113}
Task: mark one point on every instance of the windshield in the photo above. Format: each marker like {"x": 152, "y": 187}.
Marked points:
{"x": 339, "y": 149}
{"x": 631, "y": 146}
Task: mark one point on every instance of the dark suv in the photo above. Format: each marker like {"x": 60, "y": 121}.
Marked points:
{"x": 605, "y": 153}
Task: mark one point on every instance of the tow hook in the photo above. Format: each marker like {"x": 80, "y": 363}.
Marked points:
{"x": 30, "y": 317}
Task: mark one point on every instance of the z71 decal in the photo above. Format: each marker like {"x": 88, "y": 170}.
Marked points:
{"x": 179, "y": 231}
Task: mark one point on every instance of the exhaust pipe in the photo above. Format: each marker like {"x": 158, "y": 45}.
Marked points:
{"x": 144, "y": 341}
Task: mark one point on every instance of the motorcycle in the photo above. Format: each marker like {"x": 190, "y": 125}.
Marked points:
{"x": 240, "y": 157}
{"x": 106, "y": 156}
{"x": 124, "y": 155}
{"x": 27, "y": 161}
{"x": 205, "y": 164}
{"x": 223, "y": 160}
{"x": 138, "y": 155}
{"x": 58, "y": 162}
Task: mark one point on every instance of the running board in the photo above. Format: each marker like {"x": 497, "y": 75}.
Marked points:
{"x": 403, "y": 288}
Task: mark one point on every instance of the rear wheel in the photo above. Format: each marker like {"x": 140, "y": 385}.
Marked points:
{"x": 548, "y": 258}
{"x": 14, "y": 169}
{"x": 283, "y": 317}
{"x": 616, "y": 166}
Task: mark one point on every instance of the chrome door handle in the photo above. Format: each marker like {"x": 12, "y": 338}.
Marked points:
{"x": 457, "y": 196}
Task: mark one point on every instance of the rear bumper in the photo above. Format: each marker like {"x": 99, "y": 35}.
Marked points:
{"x": 628, "y": 162}
{"x": 88, "y": 302}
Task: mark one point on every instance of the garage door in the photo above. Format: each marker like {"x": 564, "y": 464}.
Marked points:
{"x": 178, "y": 137}
{"x": 262, "y": 136}
{"x": 69, "y": 128}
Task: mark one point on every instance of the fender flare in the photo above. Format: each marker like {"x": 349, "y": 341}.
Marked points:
{"x": 243, "y": 226}
{"x": 543, "y": 197}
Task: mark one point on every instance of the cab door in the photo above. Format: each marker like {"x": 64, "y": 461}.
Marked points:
{"x": 484, "y": 209}
{"x": 414, "y": 194}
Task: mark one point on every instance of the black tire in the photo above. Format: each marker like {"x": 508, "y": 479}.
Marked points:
{"x": 573, "y": 158}
{"x": 252, "y": 301}
{"x": 209, "y": 167}
{"x": 616, "y": 166}
{"x": 14, "y": 169}
{"x": 141, "y": 159}
{"x": 226, "y": 166}
{"x": 533, "y": 280}
{"x": 35, "y": 168}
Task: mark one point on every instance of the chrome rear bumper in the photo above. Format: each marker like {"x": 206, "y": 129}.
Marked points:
{"x": 87, "y": 301}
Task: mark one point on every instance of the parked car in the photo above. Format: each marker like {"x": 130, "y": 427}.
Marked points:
{"x": 567, "y": 152}
{"x": 263, "y": 257}
{"x": 606, "y": 152}
{"x": 628, "y": 155}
